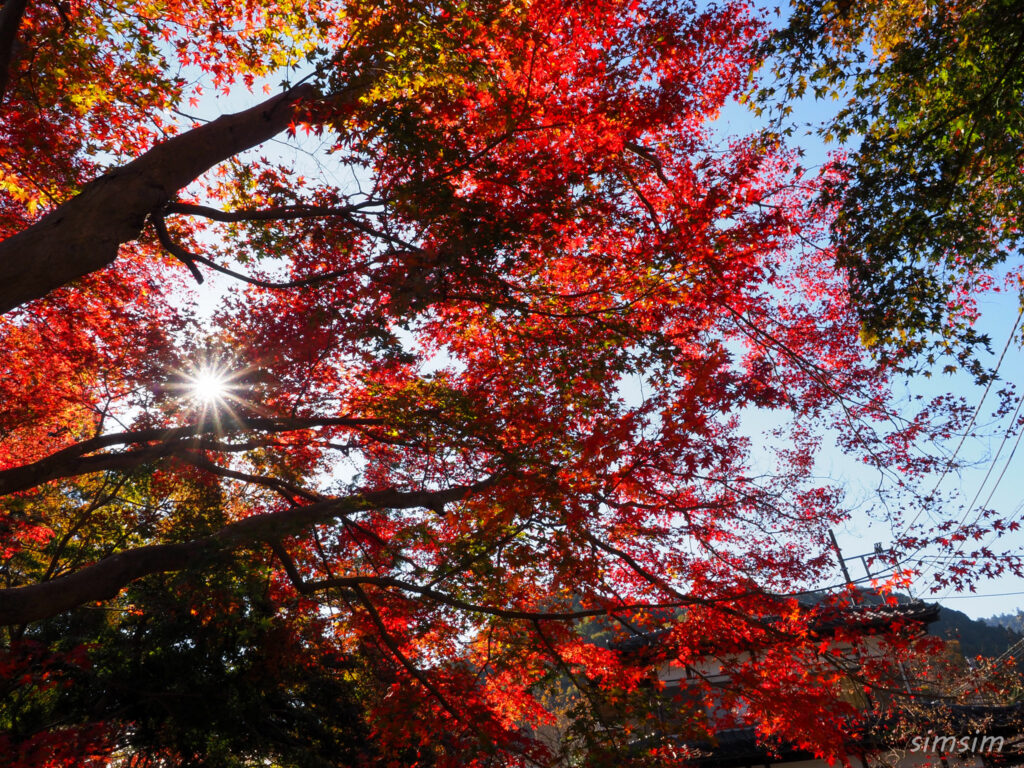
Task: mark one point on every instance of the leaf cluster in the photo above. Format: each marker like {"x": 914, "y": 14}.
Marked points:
{"x": 930, "y": 114}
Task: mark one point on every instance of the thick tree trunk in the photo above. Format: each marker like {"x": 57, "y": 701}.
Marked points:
{"x": 11, "y": 13}
{"x": 84, "y": 234}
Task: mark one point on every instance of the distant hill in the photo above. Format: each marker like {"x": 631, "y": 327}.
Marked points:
{"x": 1014, "y": 621}
{"x": 976, "y": 637}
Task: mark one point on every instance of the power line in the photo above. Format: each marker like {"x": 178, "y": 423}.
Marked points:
{"x": 965, "y": 597}
{"x": 970, "y": 425}
{"x": 967, "y": 431}
{"x": 1009, "y": 431}
{"x": 1012, "y": 515}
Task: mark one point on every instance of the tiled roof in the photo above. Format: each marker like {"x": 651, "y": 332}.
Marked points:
{"x": 871, "y": 613}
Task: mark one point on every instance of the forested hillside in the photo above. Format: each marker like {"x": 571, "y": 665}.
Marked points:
{"x": 979, "y": 637}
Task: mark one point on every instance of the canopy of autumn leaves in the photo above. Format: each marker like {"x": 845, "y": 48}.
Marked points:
{"x": 489, "y": 360}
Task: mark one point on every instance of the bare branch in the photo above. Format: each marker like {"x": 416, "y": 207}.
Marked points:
{"x": 190, "y": 260}
{"x": 280, "y": 213}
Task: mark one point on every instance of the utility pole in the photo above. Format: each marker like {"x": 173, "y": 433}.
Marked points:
{"x": 839, "y": 556}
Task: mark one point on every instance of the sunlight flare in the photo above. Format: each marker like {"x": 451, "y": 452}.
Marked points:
{"x": 216, "y": 390}
{"x": 209, "y": 386}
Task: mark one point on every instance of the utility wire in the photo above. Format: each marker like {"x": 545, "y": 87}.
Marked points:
{"x": 973, "y": 595}
{"x": 1009, "y": 431}
{"x": 967, "y": 430}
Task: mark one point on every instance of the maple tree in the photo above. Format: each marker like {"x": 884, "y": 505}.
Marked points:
{"x": 928, "y": 97}
{"x": 494, "y": 387}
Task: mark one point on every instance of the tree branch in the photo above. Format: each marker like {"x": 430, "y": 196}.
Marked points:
{"x": 83, "y": 234}
{"x": 309, "y": 587}
{"x": 190, "y": 260}
{"x": 411, "y": 668}
{"x": 286, "y": 490}
{"x": 280, "y": 213}
{"x": 103, "y": 580}
{"x": 75, "y": 459}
